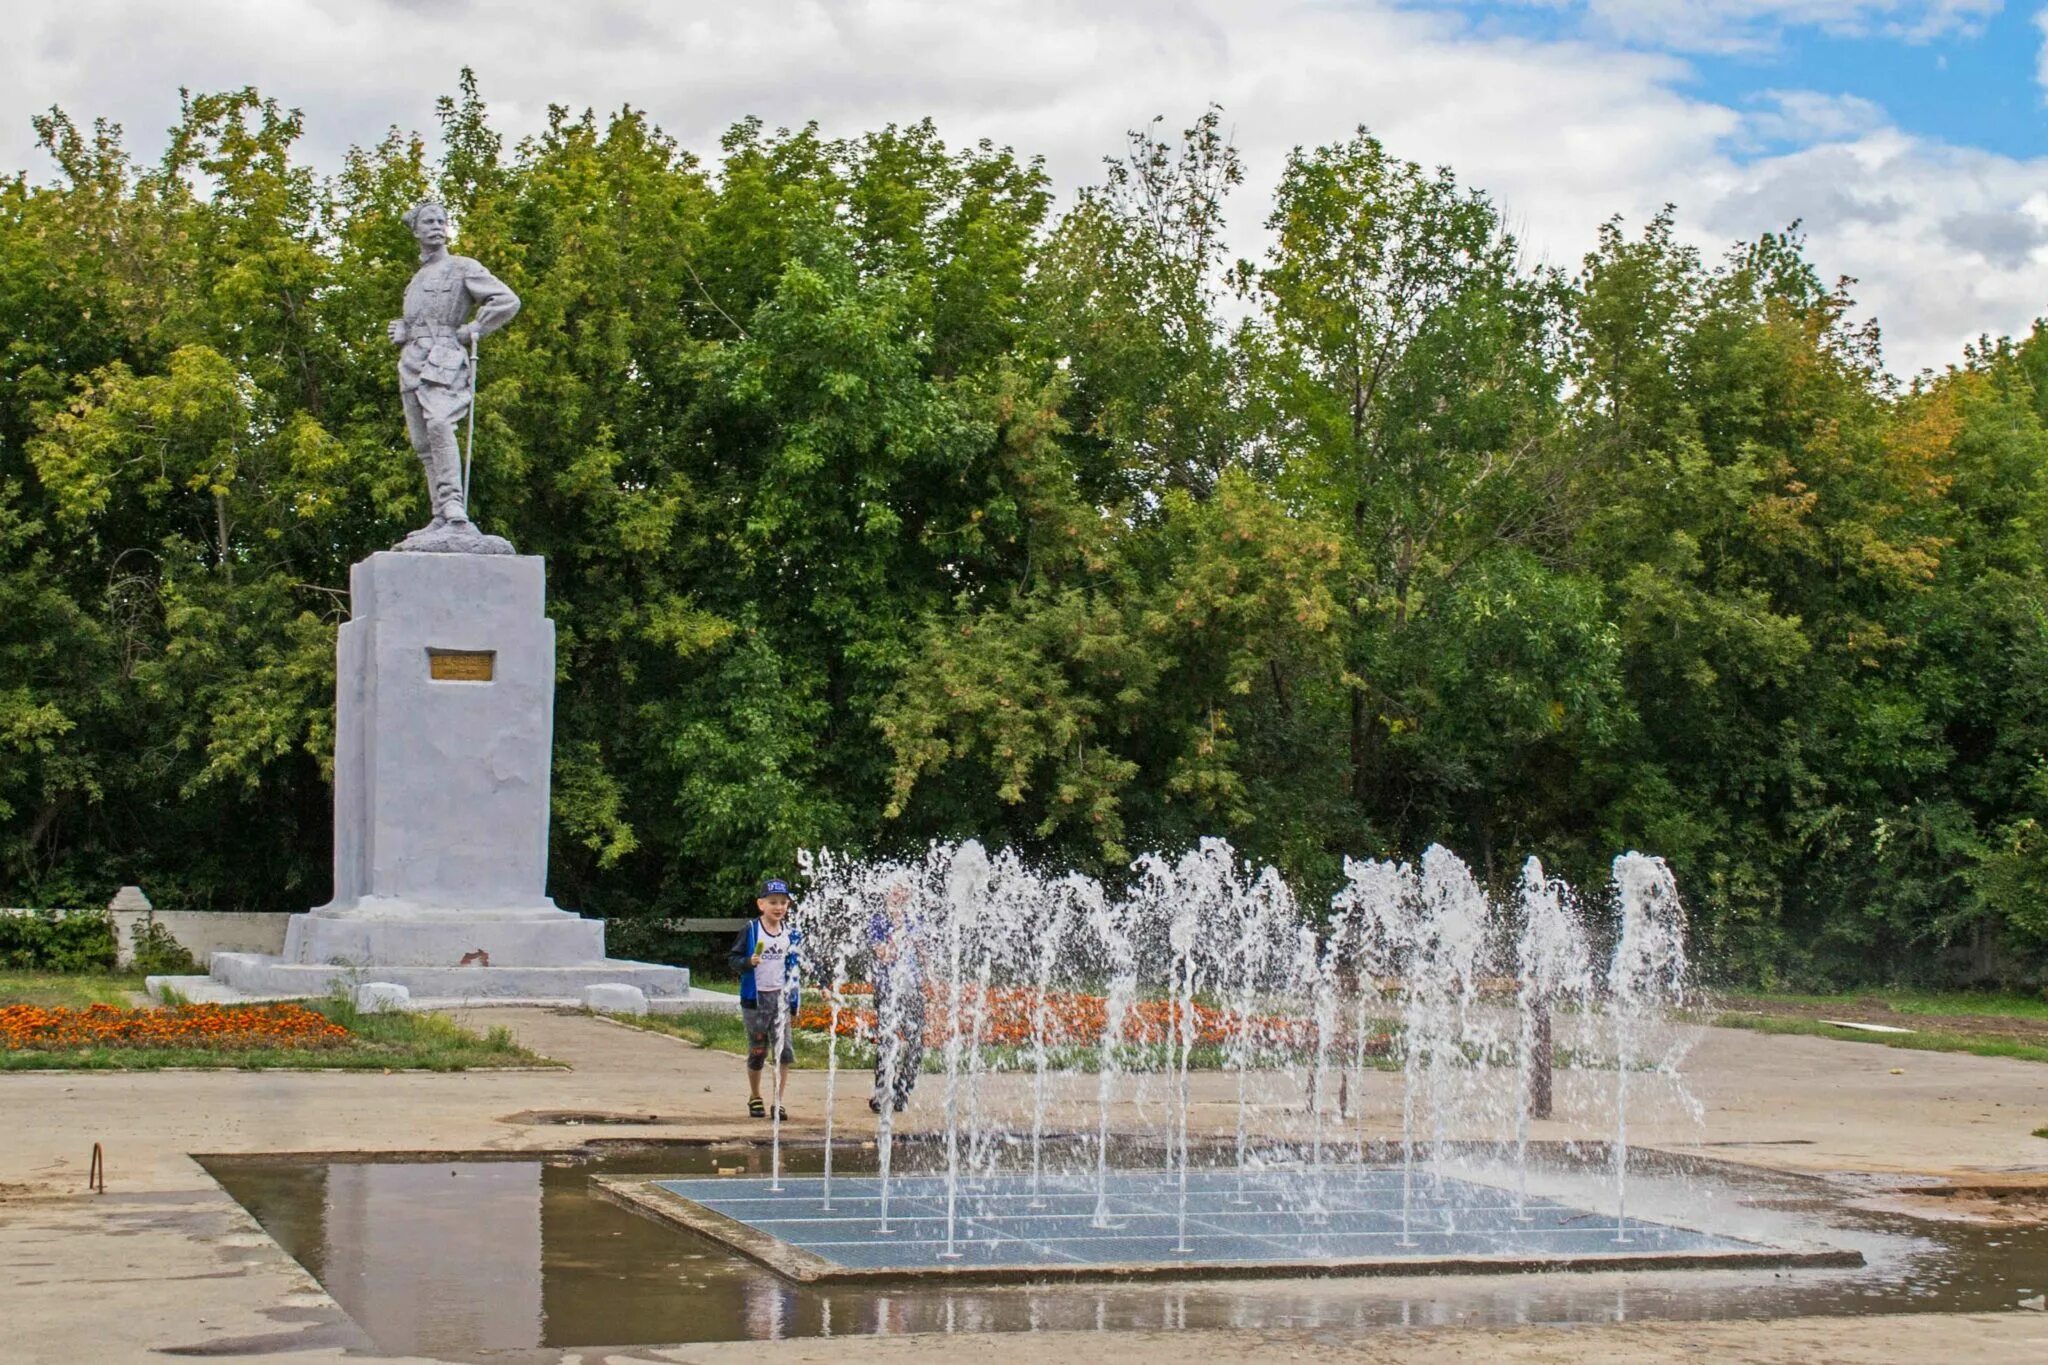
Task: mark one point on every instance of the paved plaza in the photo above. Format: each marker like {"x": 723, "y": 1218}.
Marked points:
{"x": 165, "y": 1260}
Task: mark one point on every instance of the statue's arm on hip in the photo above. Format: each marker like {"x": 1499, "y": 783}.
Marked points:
{"x": 495, "y": 302}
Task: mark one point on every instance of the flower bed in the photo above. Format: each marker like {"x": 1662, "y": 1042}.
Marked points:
{"x": 213, "y": 1027}
{"x": 1070, "y": 1018}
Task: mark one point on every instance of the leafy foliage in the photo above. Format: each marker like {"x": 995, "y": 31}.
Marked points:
{"x": 157, "y": 951}
{"x": 881, "y": 503}
{"x": 47, "y": 941}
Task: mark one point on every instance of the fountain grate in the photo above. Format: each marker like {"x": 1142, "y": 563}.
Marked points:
{"x": 1264, "y": 1225}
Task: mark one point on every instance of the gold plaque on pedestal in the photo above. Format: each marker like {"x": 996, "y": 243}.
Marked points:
{"x": 461, "y": 665}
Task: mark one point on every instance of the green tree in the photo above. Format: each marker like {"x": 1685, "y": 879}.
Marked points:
{"x": 879, "y": 505}
{"x": 1408, "y": 374}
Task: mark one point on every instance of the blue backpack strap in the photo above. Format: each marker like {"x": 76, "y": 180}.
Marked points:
{"x": 750, "y": 938}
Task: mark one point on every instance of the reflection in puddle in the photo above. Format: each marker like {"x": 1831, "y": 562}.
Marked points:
{"x": 488, "y": 1259}
{"x": 444, "y": 1258}
{"x": 439, "y": 1256}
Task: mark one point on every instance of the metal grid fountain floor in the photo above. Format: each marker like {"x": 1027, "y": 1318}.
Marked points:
{"x": 1347, "y": 1222}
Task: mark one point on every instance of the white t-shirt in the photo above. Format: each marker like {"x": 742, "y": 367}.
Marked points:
{"x": 774, "y": 950}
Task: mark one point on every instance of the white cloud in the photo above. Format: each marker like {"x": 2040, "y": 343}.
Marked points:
{"x": 1808, "y": 116}
{"x": 2041, "y": 58}
{"x": 1945, "y": 241}
{"x": 1562, "y": 133}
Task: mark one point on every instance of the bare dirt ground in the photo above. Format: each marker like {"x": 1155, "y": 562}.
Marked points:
{"x": 165, "y": 1261}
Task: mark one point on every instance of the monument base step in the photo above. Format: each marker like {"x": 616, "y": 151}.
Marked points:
{"x": 255, "y": 976}
{"x": 547, "y": 938}
{"x": 205, "y": 990}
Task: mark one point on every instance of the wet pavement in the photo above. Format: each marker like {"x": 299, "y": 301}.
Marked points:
{"x": 492, "y": 1259}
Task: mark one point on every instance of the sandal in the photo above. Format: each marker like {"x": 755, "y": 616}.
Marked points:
{"x": 756, "y": 1109}
{"x": 781, "y": 1114}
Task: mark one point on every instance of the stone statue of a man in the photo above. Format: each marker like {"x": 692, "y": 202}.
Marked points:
{"x": 434, "y": 377}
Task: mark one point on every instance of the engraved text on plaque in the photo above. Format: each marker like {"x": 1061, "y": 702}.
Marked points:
{"x": 460, "y": 665}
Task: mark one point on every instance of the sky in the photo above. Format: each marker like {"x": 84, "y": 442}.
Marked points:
{"x": 1908, "y": 137}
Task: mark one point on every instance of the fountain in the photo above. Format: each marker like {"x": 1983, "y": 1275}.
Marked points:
{"x": 1416, "y": 999}
{"x": 1071, "y": 891}
{"x": 1551, "y": 967}
{"x": 1113, "y": 934}
{"x": 1644, "y": 982}
{"x": 966, "y": 882}
{"x": 1378, "y": 906}
{"x": 832, "y": 1063}
{"x": 1249, "y": 955}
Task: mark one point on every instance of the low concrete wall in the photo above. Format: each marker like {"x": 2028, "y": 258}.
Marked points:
{"x": 203, "y": 933}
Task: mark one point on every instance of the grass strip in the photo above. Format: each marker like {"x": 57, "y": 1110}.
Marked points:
{"x": 1976, "y": 1045}
{"x": 69, "y": 990}
{"x": 726, "y": 1031}
{"x": 1902, "y": 1000}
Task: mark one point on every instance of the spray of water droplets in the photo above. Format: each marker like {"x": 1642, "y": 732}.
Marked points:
{"x": 1040, "y": 1025}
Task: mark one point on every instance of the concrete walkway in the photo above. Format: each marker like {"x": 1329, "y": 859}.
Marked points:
{"x": 165, "y": 1260}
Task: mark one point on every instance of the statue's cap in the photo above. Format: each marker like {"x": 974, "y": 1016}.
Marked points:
{"x": 411, "y": 217}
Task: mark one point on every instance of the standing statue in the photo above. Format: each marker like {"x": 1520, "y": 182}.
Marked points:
{"x": 437, "y": 374}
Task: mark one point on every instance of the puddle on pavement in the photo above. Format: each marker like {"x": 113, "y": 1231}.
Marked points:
{"x": 497, "y": 1260}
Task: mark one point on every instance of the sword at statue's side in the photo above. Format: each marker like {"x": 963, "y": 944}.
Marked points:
{"x": 469, "y": 447}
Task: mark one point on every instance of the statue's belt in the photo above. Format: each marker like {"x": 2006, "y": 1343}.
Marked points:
{"x": 427, "y": 331}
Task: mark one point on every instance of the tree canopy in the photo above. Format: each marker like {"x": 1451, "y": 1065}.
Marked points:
{"x": 884, "y": 502}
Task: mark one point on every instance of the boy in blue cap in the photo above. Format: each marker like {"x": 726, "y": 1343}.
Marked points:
{"x": 765, "y": 955}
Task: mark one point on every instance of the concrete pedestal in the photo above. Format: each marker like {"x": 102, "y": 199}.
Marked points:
{"x": 443, "y": 735}
{"x": 444, "y": 724}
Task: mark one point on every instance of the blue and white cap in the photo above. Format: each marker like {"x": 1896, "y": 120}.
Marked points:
{"x": 774, "y": 886}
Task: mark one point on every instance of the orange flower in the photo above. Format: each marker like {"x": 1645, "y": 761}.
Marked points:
{"x": 220, "y": 1027}
{"x": 1010, "y": 1018}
